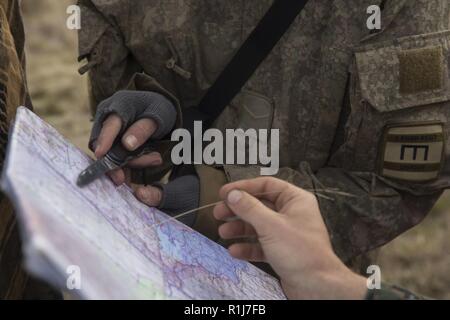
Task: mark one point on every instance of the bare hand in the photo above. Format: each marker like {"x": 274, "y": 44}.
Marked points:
{"x": 290, "y": 235}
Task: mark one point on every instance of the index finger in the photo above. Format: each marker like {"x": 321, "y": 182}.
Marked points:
{"x": 252, "y": 211}
{"x": 110, "y": 130}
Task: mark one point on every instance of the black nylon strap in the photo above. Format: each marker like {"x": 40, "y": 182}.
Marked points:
{"x": 252, "y": 53}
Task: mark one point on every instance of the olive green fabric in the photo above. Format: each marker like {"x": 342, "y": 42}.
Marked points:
{"x": 209, "y": 193}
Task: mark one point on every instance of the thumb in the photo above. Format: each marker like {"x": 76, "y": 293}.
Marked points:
{"x": 252, "y": 211}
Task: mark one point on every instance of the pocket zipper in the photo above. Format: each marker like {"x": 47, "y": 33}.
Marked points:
{"x": 171, "y": 64}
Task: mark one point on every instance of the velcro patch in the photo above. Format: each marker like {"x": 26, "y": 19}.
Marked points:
{"x": 421, "y": 70}
{"x": 413, "y": 153}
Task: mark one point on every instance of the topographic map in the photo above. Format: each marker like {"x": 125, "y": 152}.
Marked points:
{"x": 120, "y": 246}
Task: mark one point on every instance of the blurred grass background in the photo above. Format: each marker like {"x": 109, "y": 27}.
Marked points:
{"x": 58, "y": 92}
{"x": 418, "y": 260}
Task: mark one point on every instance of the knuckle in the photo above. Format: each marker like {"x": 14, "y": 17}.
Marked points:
{"x": 141, "y": 193}
{"x": 151, "y": 194}
{"x": 143, "y": 129}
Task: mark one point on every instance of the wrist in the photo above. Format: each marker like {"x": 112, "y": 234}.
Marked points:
{"x": 347, "y": 285}
{"x": 336, "y": 282}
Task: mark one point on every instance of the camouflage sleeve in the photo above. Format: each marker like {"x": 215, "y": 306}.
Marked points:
{"x": 112, "y": 67}
{"x": 14, "y": 281}
{"x": 388, "y": 292}
{"x": 110, "y": 64}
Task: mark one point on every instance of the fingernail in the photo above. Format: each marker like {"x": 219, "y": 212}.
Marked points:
{"x": 234, "y": 197}
{"x": 156, "y": 162}
{"x": 131, "y": 142}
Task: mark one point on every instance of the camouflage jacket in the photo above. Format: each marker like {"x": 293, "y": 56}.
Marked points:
{"x": 14, "y": 282}
{"x": 359, "y": 111}
{"x": 388, "y": 292}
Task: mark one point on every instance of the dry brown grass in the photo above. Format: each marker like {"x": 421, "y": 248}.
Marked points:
{"x": 419, "y": 260}
{"x": 59, "y": 93}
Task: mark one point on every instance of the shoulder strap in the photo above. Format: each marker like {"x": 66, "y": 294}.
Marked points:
{"x": 248, "y": 58}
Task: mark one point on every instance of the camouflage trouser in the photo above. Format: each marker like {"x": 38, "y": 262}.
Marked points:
{"x": 14, "y": 282}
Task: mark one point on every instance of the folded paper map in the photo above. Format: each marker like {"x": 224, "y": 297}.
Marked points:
{"x": 115, "y": 246}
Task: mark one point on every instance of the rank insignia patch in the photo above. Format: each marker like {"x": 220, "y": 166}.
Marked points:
{"x": 413, "y": 152}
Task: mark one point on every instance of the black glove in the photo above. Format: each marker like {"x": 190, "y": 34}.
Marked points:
{"x": 132, "y": 106}
{"x": 181, "y": 195}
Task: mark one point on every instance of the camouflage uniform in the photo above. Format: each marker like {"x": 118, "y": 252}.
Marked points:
{"x": 358, "y": 111}
{"x": 12, "y": 94}
{"x": 14, "y": 282}
{"x": 388, "y": 292}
